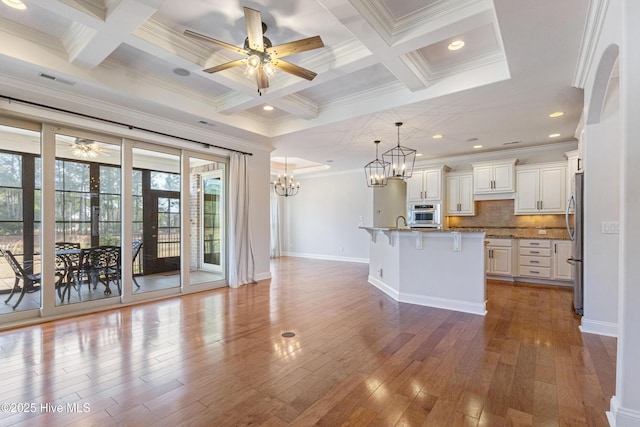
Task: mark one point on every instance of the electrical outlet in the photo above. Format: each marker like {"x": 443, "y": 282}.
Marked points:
{"x": 341, "y": 248}
{"x": 542, "y": 231}
{"x": 380, "y": 271}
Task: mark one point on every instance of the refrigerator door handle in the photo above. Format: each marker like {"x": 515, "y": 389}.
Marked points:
{"x": 572, "y": 200}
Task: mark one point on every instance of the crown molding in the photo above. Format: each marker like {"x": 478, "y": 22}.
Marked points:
{"x": 116, "y": 113}
{"x": 596, "y": 15}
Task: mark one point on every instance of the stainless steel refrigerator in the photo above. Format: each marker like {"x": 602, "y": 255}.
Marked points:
{"x": 576, "y": 233}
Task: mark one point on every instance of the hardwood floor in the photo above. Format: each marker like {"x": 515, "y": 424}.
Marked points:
{"x": 358, "y": 358}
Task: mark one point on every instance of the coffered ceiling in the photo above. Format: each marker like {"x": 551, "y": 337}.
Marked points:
{"x": 384, "y": 61}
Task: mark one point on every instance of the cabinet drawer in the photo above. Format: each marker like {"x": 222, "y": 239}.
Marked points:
{"x": 499, "y": 242}
{"x": 530, "y": 271}
{"x": 535, "y": 251}
{"x": 535, "y": 261}
{"x": 535, "y": 243}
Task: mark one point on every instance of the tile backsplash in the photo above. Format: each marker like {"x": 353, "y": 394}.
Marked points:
{"x": 499, "y": 214}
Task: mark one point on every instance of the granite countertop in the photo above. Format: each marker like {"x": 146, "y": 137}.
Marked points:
{"x": 490, "y": 232}
{"x": 426, "y": 229}
{"x": 526, "y": 233}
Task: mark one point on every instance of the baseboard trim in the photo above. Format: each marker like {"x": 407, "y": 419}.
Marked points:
{"x": 327, "y": 257}
{"x": 599, "y": 328}
{"x": 384, "y": 287}
{"x": 447, "y": 304}
{"x": 262, "y": 276}
{"x": 618, "y": 416}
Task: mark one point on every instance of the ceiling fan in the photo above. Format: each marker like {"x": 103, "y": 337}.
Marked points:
{"x": 262, "y": 57}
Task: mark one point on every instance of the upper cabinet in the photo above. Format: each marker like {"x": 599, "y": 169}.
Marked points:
{"x": 573, "y": 165}
{"x": 459, "y": 201}
{"x": 426, "y": 185}
{"x": 494, "y": 177}
{"x": 541, "y": 189}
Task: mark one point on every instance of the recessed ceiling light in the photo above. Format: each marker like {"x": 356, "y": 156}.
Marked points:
{"x": 419, "y": 155}
{"x": 557, "y": 114}
{"x": 267, "y": 108}
{"x": 16, "y": 4}
{"x": 554, "y": 135}
{"x": 438, "y": 136}
{"x": 477, "y": 146}
{"x": 456, "y": 44}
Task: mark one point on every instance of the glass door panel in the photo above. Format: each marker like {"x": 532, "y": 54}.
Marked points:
{"x": 20, "y": 184}
{"x": 87, "y": 214}
{"x": 208, "y": 223}
{"x": 156, "y": 220}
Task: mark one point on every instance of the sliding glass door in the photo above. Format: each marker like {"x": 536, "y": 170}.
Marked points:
{"x": 207, "y": 221}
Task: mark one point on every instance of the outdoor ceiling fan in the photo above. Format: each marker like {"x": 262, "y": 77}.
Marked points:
{"x": 262, "y": 58}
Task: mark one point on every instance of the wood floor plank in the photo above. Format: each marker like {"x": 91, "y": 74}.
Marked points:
{"x": 357, "y": 358}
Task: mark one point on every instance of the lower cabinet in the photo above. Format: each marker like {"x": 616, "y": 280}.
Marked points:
{"x": 562, "y": 250}
{"x": 499, "y": 257}
{"x": 535, "y": 258}
{"x": 520, "y": 259}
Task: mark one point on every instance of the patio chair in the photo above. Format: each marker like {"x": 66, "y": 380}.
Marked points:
{"x": 29, "y": 280}
{"x": 137, "y": 245}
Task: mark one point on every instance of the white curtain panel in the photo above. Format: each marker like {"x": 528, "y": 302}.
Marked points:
{"x": 275, "y": 226}
{"x": 241, "y": 260}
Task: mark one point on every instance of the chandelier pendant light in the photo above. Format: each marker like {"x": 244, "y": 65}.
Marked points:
{"x": 376, "y": 171}
{"x": 284, "y": 185}
{"x": 400, "y": 159}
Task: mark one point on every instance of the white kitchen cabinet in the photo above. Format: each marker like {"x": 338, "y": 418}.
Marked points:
{"x": 541, "y": 189}
{"x": 562, "y": 270}
{"x": 425, "y": 185}
{"x": 574, "y": 164}
{"x": 494, "y": 177}
{"x": 459, "y": 201}
{"x": 534, "y": 258}
{"x": 499, "y": 257}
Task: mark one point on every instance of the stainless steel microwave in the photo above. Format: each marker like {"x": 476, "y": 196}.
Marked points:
{"x": 424, "y": 215}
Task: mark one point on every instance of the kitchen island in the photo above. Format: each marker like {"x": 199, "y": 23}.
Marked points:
{"x": 431, "y": 267}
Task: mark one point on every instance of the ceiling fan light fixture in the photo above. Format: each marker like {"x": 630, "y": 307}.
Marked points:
{"x": 84, "y": 149}
{"x": 269, "y": 69}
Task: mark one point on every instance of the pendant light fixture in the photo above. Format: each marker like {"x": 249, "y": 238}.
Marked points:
{"x": 284, "y": 185}
{"x": 376, "y": 171}
{"x": 400, "y": 159}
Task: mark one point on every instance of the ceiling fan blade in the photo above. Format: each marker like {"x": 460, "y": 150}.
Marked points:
{"x": 254, "y": 29}
{"x": 262, "y": 79}
{"x": 296, "y": 70}
{"x": 208, "y": 39}
{"x": 226, "y": 65}
{"x": 303, "y": 45}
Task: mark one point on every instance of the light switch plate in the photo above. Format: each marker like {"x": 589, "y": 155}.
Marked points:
{"x": 610, "y": 227}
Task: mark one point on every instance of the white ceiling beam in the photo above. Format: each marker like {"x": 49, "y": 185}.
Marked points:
{"x": 89, "y": 45}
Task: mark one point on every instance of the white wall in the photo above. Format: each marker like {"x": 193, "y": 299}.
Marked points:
{"x": 322, "y": 220}
{"x": 620, "y": 28}
{"x": 601, "y": 148}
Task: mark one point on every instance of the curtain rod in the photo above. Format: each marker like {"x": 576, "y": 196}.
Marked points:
{"x": 131, "y": 127}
